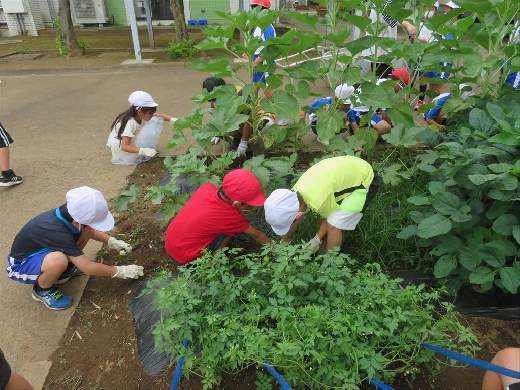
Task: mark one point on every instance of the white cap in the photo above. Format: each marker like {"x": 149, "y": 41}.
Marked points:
{"x": 344, "y": 92}
{"x": 436, "y": 4}
{"x": 281, "y": 208}
{"x": 141, "y": 99}
{"x": 465, "y": 94}
{"x": 451, "y": 4}
{"x": 88, "y": 206}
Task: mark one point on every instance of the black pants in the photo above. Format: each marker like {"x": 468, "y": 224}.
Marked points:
{"x": 372, "y": 190}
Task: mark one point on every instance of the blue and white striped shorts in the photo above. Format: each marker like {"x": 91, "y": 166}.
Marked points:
{"x": 28, "y": 269}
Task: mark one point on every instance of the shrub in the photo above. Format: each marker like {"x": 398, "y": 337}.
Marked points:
{"x": 318, "y": 321}
{"x": 184, "y": 49}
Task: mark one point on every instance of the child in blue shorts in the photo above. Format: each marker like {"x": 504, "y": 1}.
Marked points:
{"x": 426, "y": 35}
{"x": 48, "y": 250}
{"x": 436, "y": 116}
{"x": 342, "y": 95}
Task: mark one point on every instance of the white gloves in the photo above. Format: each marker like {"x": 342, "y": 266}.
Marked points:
{"x": 313, "y": 244}
{"x": 173, "y": 120}
{"x": 119, "y": 245}
{"x": 312, "y": 117}
{"x": 128, "y": 271}
{"x": 215, "y": 140}
{"x": 147, "y": 152}
{"x": 241, "y": 150}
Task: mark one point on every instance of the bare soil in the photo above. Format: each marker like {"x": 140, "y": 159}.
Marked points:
{"x": 98, "y": 350}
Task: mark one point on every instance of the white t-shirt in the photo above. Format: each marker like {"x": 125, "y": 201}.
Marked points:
{"x": 388, "y": 32}
{"x": 131, "y": 129}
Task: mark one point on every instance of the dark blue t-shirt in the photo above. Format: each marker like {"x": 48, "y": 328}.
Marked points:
{"x": 45, "y": 231}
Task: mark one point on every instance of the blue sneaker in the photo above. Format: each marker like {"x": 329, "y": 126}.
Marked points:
{"x": 69, "y": 273}
{"x": 54, "y": 299}
{"x": 283, "y": 122}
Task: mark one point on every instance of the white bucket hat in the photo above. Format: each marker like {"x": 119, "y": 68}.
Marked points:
{"x": 88, "y": 206}
{"x": 281, "y": 208}
{"x": 141, "y": 99}
{"x": 344, "y": 92}
{"x": 451, "y": 4}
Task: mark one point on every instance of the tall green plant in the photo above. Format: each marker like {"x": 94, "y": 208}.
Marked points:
{"x": 60, "y": 43}
{"x": 321, "y": 324}
{"x": 469, "y": 217}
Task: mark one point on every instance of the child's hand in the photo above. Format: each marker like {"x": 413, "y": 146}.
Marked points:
{"x": 245, "y": 56}
{"x": 242, "y": 147}
{"x": 128, "y": 271}
{"x": 147, "y": 152}
{"x": 119, "y": 245}
{"x": 215, "y": 140}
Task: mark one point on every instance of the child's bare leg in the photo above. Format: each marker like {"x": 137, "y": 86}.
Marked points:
{"x": 54, "y": 264}
{"x": 4, "y": 158}
{"x": 18, "y": 382}
{"x": 509, "y": 358}
{"x": 334, "y": 236}
{"x": 382, "y": 127}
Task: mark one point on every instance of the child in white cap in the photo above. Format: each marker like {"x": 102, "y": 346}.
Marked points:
{"x": 48, "y": 250}
{"x": 339, "y": 189}
{"x": 342, "y": 95}
{"x": 122, "y": 138}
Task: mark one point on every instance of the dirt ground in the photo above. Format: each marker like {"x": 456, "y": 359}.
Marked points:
{"x": 98, "y": 350}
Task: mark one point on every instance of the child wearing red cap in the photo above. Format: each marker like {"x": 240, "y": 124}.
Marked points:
{"x": 212, "y": 216}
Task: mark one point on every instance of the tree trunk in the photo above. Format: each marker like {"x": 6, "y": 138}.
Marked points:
{"x": 181, "y": 31}
{"x": 68, "y": 35}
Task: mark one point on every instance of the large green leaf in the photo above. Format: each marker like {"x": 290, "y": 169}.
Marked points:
{"x": 482, "y": 275}
{"x": 434, "y": 225}
{"x": 400, "y": 136}
{"x": 470, "y": 258}
{"x": 407, "y": 232}
{"x": 444, "y": 266}
{"x": 504, "y": 224}
{"x": 283, "y": 104}
{"x": 510, "y": 278}
{"x": 373, "y": 95}
{"x": 445, "y": 202}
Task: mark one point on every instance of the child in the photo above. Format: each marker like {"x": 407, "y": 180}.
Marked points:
{"x": 212, "y": 216}
{"x": 48, "y": 250}
{"x": 243, "y": 134}
{"x": 339, "y": 189}
{"x": 126, "y": 150}
{"x": 435, "y": 115}
{"x": 8, "y": 178}
{"x": 426, "y": 35}
{"x": 342, "y": 95}
{"x": 380, "y": 121}
{"x": 10, "y": 380}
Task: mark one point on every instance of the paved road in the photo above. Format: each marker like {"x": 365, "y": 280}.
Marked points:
{"x": 60, "y": 123}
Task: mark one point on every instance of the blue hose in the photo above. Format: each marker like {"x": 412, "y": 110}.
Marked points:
{"x": 178, "y": 369}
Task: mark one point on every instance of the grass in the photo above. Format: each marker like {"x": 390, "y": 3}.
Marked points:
{"x": 100, "y": 39}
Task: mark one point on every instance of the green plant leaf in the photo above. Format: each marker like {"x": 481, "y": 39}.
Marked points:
{"x": 481, "y": 275}
{"x": 126, "y": 197}
{"x": 510, "y": 277}
{"x": 504, "y": 224}
{"x": 444, "y": 266}
{"x": 419, "y": 200}
{"x": 434, "y": 225}
{"x": 407, "y": 232}
{"x": 469, "y": 258}
{"x": 284, "y": 104}
{"x": 445, "y": 202}
{"x": 399, "y": 136}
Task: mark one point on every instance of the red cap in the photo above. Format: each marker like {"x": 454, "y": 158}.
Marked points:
{"x": 263, "y": 3}
{"x": 242, "y": 186}
{"x": 401, "y": 75}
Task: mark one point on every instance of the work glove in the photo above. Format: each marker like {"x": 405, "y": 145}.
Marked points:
{"x": 312, "y": 118}
{"x": 147, "y": 152}
{"x": 241, "y": 150}
{"x": 173, "y": 120}
{"x": 119, "y": 245}
{"x": 128, "y": 271}
{"x": 313, "y": 244}
{"x": 215, "y": 140}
